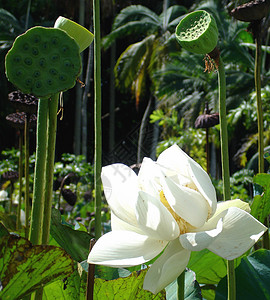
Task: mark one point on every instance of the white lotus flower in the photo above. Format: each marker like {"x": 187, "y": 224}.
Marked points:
{"x": 171, "y": 205}
{"x": 3, "y": 195}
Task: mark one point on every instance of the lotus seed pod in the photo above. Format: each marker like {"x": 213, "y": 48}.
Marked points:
{"x": 197, "y": 32}
{"x": 251, "y": 11}
{"x": 43, "y": 61}
{"x": 81, "y": 35}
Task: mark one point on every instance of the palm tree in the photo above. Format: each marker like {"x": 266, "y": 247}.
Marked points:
{"x": 135, "y": 67}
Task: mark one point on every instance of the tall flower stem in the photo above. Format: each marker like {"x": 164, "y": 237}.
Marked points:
{"x": 39, "y": 175}
{"x": 26, "y": 174}
{"x": 223, "y": 131}
{"x": 97, "y": 114}
{"x": 181, "y": 286}
{"x": 18, "y": 220}
{"x": 51, "y": 139}
{"x": 225, "y": 165}
{"x": 257, "y": 78}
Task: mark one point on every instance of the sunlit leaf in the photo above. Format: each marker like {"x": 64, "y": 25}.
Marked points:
{"x": 70, "y": 288}
{"x": 25, "y": 267}
{"x": 125, "y": 288}
{"x": 209, "y": 267}
{"x": 208, "y": 291}
{"x": 252, "y": 278}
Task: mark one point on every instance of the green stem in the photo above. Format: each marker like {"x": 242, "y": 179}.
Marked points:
{"x": 225, "y": 165}
{"x": 18, "y": 219}
{"x": 26, "y": 174}
{"x": 223, "y": 131}
{"x": 51, "y": 139}
{"x": 97, "y": 114}
{"x": 181, "y": 286}
{"x": 231, "y": 280}
{"x": 39, "y": 175}
{"x": 257, "y": 78}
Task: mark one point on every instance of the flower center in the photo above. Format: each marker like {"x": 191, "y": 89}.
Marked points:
{"x": 182, "y": 224}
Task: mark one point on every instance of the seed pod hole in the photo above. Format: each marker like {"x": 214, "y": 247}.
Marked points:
{"x": 53, "y": 72}
{"x": 28, "y": 61}
{"x": 36, "y": 74}
{"x": 36, "y": 39}
{"x": 35, "y": 51}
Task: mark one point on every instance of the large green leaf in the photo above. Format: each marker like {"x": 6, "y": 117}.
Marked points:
{"x": 209, "y": 267}
{"x": 252, "y": 278}
{"x": 260, "y": 207}
{"x": 192, "y": 288}
{"x": 71, "y": 288}
{"x": 130, "y": 287}
{"x": 25, "y": 267}
{"x": 75, "y": 242}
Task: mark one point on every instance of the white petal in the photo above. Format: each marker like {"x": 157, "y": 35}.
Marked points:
{"x": 154, "y": 218}
{"x": 124, "y": 249}
{"x": 187, "y": 203}
{"x": 176, "y": 159}
{"x": 223, "y": 205}
{"x": 118, "y": 224}
{"x": 240, "y": 232}
{"x": 167, "y": 267}
{"x": 197, "y": 241}
{"x": 233, "y": 232}
{"x": 203, "y": 184}
{"x": 121, "y": 190}
{"x": 148, "y": 177}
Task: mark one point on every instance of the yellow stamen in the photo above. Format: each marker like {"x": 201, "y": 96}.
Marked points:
{"x": 182, "y": 224}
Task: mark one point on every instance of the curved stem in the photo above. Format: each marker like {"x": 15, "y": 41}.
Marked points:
{"x": 51, "y": 139}
{"x": 181, "y": 286}
{"x": 39, "y": 175}
{"x": 225, "y": 165}
{"x": 97, "y": 114}
{"x": 26, "y": 174}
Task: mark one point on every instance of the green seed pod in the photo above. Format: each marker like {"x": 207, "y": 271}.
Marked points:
{"x": 43, "y": 61}
{"x": 197, "y": 32}
{"x": 80, "y": 34}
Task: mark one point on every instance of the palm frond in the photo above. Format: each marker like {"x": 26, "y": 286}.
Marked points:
{"x": 128, "y": 64}
{"x": 10, "y": 27}
{"x": 135, "y": 13}
{"x": 131, "y": 28}
{"x": 138, "y": 85}
{"x": 173, "y": 16}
